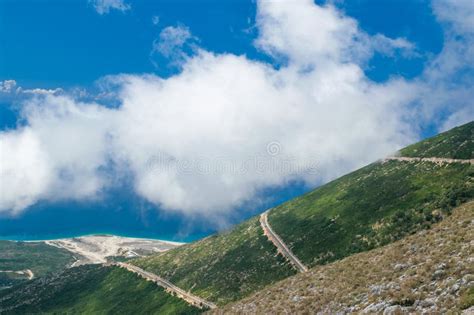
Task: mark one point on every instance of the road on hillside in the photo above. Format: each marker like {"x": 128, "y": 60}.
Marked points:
{"x": 428, "y": 159}
{"x": 281, "y": 246}
{"x": 188, "y": 297}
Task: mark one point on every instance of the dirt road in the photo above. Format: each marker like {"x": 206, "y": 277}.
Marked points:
{"x": 281, "y": 246}
{"x": 428, "y": 159}
{"x": 188, "y": 297}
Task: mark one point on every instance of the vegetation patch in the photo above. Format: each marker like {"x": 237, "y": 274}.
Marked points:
{"x": 92, "y": 289}
{"x": 371, "y": 207}
{"x": 39, "y": 257}
{"x": 458, "y": 143}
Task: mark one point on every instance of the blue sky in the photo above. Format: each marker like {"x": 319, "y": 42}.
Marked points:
{"x": 94, "y": 92}
{"x": 66, "y": 43}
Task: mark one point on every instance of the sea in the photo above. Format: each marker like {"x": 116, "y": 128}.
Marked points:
{"x": 123, "y": 213}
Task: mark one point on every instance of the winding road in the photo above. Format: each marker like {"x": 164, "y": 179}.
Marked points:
{"x": 280, "y": 245}
{"x": 428, "y": 159}
{"x": 169, "y": 287}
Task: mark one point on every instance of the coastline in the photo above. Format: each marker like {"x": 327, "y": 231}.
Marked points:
{"x": 100, "y": 248}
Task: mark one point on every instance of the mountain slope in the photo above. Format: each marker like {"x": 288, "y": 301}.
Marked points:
{"x": 370, "y": 207}
{"x": 91, "y": 289}
{"x": 39, "y": 258}
{"x": 431, "y": 271}
{"x": 458, "y": 143}
{"x": 223, "y": 267}
{"x": 373, "y": 206}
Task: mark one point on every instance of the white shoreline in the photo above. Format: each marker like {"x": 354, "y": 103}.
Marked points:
{"x": 100, "y": 248}
{"x": 95, "y": 235}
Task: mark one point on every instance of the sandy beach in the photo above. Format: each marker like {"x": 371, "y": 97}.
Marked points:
{"x": 98, "y": 249}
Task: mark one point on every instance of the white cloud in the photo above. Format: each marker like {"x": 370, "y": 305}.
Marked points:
{"x": 211, "y": 137}
{"x": 38, "y": 91}
{"x": 25, "y": 172}
{"x": 155, "y": 20}
{"x": 58, "y": 155}
{"x": 104, "y": 6}
{"x": 7, "y": 86}
{"x": 229, "y": 108}
{"x": 458, "y": 13}
{"x": 312, "y": 35}
{"x": 11, "y": 87}
{"x": 173, "y": 43}
{"x": 446, "y": 84}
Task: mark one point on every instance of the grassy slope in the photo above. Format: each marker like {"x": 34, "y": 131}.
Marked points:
{"x": 458, "y": 143}
{"x": 379, "y": 203}
{"x": 373, "y": 206}
{"x": 91, "y": 290}
{"x": 39, "y": 257}
{"x": 223, "y": 267}
{"x": 404, "y": 273}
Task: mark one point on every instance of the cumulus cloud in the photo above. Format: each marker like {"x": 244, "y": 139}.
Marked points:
{"x": 58, "y": 155}
{"x": 213, "y": 136}
{"x": 105, "y": 6}
{"x": 24, "y": 170}
{"x": 309, "y": 34}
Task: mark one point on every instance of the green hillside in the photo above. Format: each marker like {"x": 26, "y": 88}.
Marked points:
{"x": 458, "y": 143}
{"x": 40, "y": 258}
{"x": 91, "y": 289}
{"x": 222, "y": 267}
{"x": 379, "y": 203}
{"x": 430, "y": 272}
{"x": 370, "y": 207}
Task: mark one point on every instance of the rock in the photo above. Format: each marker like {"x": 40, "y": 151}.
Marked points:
{"x": 393, "y": 310}
{"x": 375, "y": 307}
{"x": 438, "y": 274}
{"x": 376, "y": 289}
{"x": 400, "y": 267}
{"x": 426, "y": 303}
{"x": 455, "y": 288}
{"x": 441, "y": 266}
{"x": 296, "y": 298}
{"x": 393, "y": 286}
